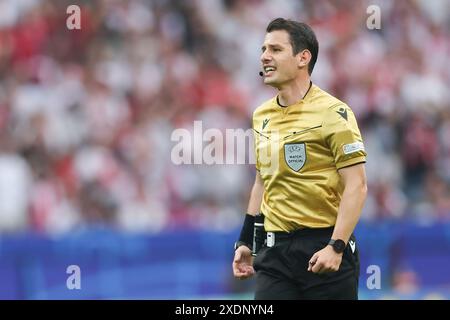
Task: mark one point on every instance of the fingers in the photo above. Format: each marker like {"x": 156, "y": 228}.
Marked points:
{"x": 242, "y": 271}
{"x": 242, "y": 268}
{"x": 239, "y": 268}
{"x": 246, "y": 274}
{"x": 237, "y": 256}
{"x": 317, "y": 267}
{"x": 322, "y": 267}
{"x": 322, "y": 262}
{"x": 313, "y": 261}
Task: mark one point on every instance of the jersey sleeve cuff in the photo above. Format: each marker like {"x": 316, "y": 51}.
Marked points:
{"x": 351, "y": 162}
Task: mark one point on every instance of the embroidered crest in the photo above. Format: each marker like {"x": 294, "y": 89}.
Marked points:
{"x": 295, "y": 155}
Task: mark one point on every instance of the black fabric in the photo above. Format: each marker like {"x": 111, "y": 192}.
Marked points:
{"x": 259, "y": 234}
{"x": 282, "y": 270}
{"x": 246, "y": 235}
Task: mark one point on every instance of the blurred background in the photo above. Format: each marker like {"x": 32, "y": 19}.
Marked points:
{"x": 86, "y": 118}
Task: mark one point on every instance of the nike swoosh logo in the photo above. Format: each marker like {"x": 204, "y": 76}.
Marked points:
{"x": 343, "y": 113}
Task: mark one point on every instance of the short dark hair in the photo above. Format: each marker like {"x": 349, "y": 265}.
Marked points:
{"x": 301, "y": 37}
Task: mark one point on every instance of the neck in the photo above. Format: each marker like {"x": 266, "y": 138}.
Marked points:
{"x": 294, "y": 91}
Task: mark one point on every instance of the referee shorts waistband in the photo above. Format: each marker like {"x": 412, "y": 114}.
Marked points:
{"x": 277, "y": 236}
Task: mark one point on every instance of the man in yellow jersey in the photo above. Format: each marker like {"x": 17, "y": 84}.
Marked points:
{"x": 310, "y": 183}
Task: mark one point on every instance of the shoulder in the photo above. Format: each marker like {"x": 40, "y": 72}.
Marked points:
{"x": 332, "y": 108}
{"x": 326, "y": 101}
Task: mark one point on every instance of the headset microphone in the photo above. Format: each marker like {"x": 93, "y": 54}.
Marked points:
{"x": 261, "y": 73}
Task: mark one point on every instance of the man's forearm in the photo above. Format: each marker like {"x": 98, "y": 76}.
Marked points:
{"x": 254, "y": 204}
{"x": 350, "y": 208}
{"x": 247, "y": 233}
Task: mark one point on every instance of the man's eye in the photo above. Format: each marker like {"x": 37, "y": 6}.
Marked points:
{"x": 276, "y": 50}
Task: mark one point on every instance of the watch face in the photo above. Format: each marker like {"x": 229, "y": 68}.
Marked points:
{"x": 339, "y": 246}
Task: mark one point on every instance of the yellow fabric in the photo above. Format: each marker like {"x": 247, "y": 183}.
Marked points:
{"x": 299, "y": 150}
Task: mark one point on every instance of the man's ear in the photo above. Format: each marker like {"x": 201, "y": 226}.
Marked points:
{"x": 303, "y": 58}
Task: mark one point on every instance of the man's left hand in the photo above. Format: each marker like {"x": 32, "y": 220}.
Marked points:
{"x": 325, "y": 260}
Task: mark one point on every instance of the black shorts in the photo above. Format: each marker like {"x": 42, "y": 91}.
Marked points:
{"x": 282, "y": 270}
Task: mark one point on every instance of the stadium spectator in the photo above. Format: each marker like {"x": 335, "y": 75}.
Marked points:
{"x": 88, "y": 113}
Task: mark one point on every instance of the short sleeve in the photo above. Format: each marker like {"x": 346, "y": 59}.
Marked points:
{"x": 342, "y": 135}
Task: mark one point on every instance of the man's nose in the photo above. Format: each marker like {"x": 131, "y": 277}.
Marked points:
{"x": 265, "y": 57}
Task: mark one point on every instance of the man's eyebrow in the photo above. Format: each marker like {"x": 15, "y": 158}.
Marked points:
{"x": 271, "y": 46}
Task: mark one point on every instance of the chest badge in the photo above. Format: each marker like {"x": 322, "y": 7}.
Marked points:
{"x": 265, "y": 122}
{"x": 295, "y": 155}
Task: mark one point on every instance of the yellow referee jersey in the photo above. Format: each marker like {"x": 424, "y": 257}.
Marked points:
{"x": 299, "y": 150}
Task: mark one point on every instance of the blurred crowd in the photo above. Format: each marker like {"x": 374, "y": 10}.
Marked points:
{"x": 86, "y": 116}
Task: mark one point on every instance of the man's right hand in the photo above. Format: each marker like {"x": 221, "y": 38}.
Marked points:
{"x": 243, "y": 263}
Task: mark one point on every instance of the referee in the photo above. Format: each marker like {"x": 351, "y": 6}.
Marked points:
{"x": 310, "y": 183}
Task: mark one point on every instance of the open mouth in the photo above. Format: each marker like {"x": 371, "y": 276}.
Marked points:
{"x": 269, "y": 70}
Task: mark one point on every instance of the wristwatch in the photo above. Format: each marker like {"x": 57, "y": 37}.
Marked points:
{"x": 338, "y": 245}
{"x": 237, "y": 244}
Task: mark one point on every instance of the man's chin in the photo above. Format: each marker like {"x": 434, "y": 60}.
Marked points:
{"x": 270, "y": 82}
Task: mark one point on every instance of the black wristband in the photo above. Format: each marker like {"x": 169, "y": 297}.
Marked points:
{"x": 246, "y": 235}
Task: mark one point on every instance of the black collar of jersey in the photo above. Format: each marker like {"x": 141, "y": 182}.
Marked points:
{"x": 278, "y": 101}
